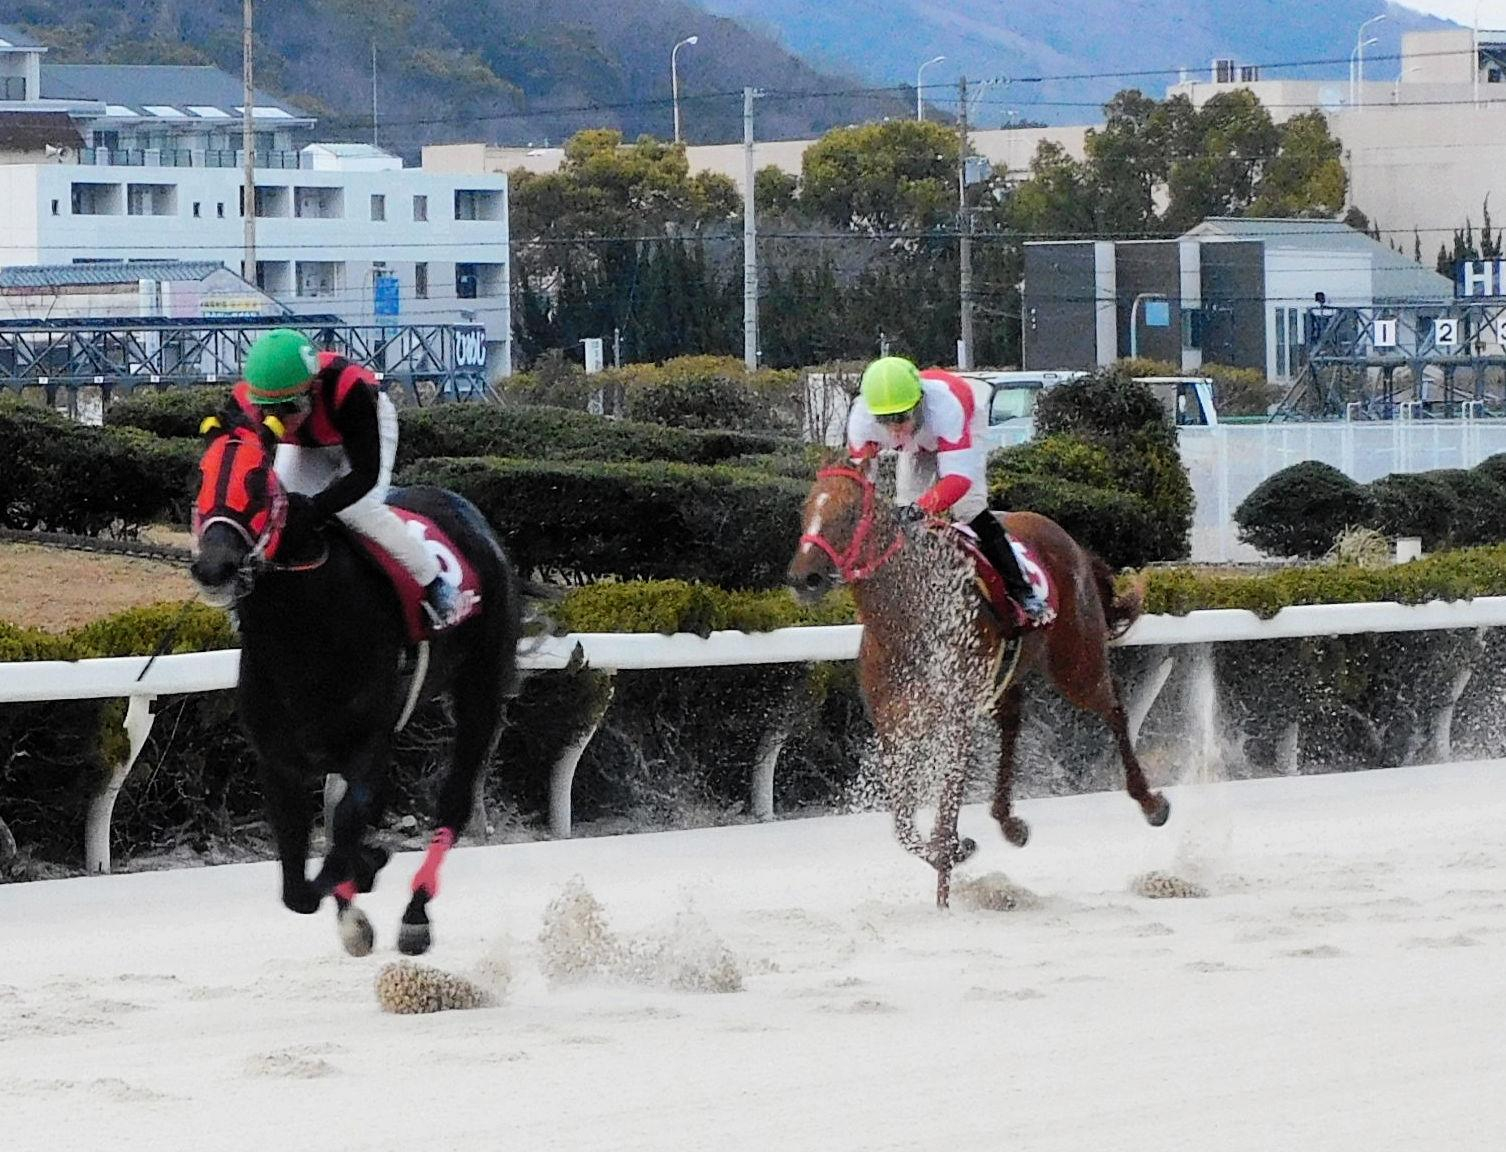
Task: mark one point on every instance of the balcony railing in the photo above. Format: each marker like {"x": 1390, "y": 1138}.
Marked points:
{"x": 187, "y": 157}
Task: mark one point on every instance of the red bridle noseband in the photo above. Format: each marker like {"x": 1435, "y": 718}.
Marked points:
{"x": 855, "y": 563}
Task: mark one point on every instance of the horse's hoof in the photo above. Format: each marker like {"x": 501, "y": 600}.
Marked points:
{"x": 1016, "y": 831}
{"x": 1158, "y": 815}
{"x": 414, "y": 939}
{"x": 356, "y": 933}
{"x": 304, "y": 900}
{"x": 965, "y": 849}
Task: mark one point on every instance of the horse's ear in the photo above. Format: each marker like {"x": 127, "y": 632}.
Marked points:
{"x": 212, "y": 428}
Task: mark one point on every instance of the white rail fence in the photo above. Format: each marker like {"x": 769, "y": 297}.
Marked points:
{"x": 141, "y": 683}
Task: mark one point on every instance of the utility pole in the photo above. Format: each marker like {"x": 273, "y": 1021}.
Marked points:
{"x": 248, "y": 146}
{"x": 965, "y": 239}
{"x": 373, "y": 96}
{"x": 750, "y": 239}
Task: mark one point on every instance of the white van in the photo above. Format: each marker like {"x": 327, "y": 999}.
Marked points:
{"x": 1011, "y": 411}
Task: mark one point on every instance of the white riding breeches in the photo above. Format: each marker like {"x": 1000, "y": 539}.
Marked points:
{"x": 312, "y": 470}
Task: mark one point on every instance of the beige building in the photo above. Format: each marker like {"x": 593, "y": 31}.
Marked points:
{"x": 1437, "y": 69}
{"x": 1007, "y": 149}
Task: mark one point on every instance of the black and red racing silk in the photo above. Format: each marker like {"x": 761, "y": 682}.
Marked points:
{"x": 336, "y": 379}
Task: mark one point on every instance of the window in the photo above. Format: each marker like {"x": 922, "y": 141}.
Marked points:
{"x": 378, "y": 206}
{"x": 318, "y": 203}
{"x": 421, "y": 281}
{"x": 1291, "y": 353}
{"x": 420, "y": 207}
{"x": 91, "y": 199}
{"x": 1493, "y": 76}
{"x": 465, "y": 281}
{"x": 55, "y": 208}
{"x": 478, "y": 204}
{"x": 219, "y": 209}
{"x": 196, "y": 210}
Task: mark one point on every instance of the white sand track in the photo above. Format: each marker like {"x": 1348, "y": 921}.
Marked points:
{"x": 1341, "y": 987}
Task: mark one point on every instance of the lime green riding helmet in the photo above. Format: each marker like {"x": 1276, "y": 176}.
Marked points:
{"x": 279, "y": 366}
{"x": 891, "y": 385}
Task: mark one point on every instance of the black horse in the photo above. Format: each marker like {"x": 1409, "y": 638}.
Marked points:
{"x": 322, "y": 688}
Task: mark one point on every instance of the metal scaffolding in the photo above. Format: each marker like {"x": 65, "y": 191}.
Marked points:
{"x": 1382, "y": 363}
{"x": 447, "y": 361}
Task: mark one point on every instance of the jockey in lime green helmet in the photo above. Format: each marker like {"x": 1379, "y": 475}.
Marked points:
{"x": 936, "y": 421}
{"x": 337, "y": 434}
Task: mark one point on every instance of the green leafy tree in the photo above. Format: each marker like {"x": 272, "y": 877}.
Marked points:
{"x": 895, "y": 175}
{"x": 1306, "y": 177}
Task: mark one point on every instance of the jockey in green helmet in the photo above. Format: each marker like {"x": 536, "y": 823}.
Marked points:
{"x": 337, "y": 440}
{"x": 936, "y": 420}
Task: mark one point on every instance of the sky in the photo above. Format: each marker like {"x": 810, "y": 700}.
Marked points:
{"x": 1492, "y": 12}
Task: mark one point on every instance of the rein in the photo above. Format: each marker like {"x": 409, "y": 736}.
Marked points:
{"x": 853, "y": 563}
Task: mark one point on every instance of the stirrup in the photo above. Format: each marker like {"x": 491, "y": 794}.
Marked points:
{"x": 1037, "y": 610}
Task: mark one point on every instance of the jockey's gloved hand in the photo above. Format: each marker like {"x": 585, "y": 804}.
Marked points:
{"x": 302, "y": 512}
{"x": 912, "y": 514}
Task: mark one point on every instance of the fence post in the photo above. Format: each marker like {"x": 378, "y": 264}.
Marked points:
{"x": 138, "y": 726}
{"x": 562, "y": 776}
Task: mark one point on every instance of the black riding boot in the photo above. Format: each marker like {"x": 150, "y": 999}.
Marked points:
{"x": 995, "y": 545}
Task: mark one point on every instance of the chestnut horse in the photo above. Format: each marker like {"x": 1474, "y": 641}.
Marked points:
{"x": 935, "y": 657}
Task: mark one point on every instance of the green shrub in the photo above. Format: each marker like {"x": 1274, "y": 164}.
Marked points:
{"x": 1460, "y": 575}
{"x": 1416, "y": 504}
{"x": 1481, "y": 516}
{"x": 1118, "y": 526}
{"x": 69, "y": 478}
{"x": 1493, "y": 468}
{"x": 167, "y": 412}
{"x": 1112, "y": 412}
{"x": 591, "y": 520}
{"x": 560, "y": 434}
{"x": 667, "y": 606}
{"x": 709, "y": 392}
{"x": 1301, "y": 510}
{"x": 1055, "y": 457}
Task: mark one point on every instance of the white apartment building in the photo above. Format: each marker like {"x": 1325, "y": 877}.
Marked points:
{"x": 340, "y": 229}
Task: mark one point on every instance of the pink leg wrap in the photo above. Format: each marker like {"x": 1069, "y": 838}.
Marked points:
{"x": 426, "y": 879}
{"x": 347, "y": 891}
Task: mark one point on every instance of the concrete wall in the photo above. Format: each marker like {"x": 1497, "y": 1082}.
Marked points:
{"x": 1008, "y": 149}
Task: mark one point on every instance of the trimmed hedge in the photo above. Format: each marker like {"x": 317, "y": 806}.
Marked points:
{"x": 561, "y": 434}
{"x": 705, "y": 392}
{"x": 721, "y": 525}
{"x": 167, "y": 412}
{"x": 1301, "y": 510}
{"x": 67, "y": 477}
{"x": 1117, "y": 526}
{"x": 1460, "y": 575}
{"x": 668, "y": 606}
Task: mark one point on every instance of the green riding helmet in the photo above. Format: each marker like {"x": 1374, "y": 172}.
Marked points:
{"x": 279, "y": 367}
{"x": 891, "y": 386}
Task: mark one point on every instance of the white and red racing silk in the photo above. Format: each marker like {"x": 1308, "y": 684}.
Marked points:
{"x": 954, "y": 413}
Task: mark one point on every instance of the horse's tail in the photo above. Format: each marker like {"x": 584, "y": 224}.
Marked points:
{"x": 1119, "y": 609}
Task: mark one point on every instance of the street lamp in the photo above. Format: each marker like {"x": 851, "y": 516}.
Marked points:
{"x": 1475, "y": 63}
{"x": 1354, "y": 100}
{"x": 920, "y": 111}
{"x": 1400, "y": 76}
{"x": 674, "y": 78}
{"x": 1360, "y": 44}
{"x": 1134, "y": 314}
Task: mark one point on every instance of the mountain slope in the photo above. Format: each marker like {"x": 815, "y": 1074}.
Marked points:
{"x": 473, "y": 69}
{"x": 886, "y": 41}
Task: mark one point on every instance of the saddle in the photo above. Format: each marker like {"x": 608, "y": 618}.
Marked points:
{"x": 991, "y": 586}
{"x": 453, "y": 566}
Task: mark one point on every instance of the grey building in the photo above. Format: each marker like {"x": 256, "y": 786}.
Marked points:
{"x": 1231, "y": 291}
